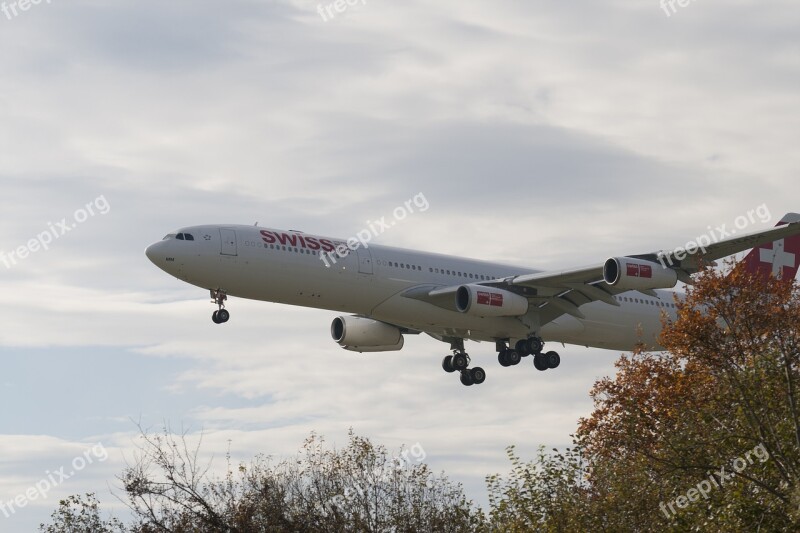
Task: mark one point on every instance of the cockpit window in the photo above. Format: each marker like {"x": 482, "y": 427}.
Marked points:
{"x": 179, "y": 236}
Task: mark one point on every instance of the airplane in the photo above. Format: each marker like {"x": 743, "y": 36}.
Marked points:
{"x": 388, "y": 292}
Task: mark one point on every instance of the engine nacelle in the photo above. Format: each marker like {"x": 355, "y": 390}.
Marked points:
{"x": 637, "y": 274}
{"x": 478, "y": 300}
{"x": 359, "y": 334}
{"x": 366, "y": 349}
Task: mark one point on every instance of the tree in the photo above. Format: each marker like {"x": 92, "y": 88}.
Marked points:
{"x": 77, "y": 514}
{"x": 704, "y": 435}
{"x": 542, "y": 495}
{"x": 358, "y": 488}
{"x": 716, "y": 411}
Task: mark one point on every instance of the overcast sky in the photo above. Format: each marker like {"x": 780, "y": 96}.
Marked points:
{"x": 546, "y": 134}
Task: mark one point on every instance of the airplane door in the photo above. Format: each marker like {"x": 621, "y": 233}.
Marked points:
{"x": 228, "y": 242}
{"x": 364, "y": 260}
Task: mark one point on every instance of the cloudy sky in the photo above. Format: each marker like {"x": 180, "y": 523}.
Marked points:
{"x": 545, "y": 134}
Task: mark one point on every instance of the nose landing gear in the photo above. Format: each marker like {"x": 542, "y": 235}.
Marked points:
{"x": 218, "y": 297}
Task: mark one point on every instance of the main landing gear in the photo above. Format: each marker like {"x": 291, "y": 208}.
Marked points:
{"x": 459, "y": 361}
{"x": 524, "y": 347}
{"x": 507, "y": 356}
{"x": 218, "y": 297}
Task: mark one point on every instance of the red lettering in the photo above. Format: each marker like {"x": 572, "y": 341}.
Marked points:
{"x": 633, "y": 270}
{"x": 497, "y": 300}
{"x": 327, "y": 245}
{"x": 484, "y": 298}
{"x": 645, "y": 271}
{"x": 312, "y": 243}
{"x": 283, "y": 238}
{"x": 268, "y": 236}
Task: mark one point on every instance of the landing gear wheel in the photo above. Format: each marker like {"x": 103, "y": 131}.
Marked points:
{"x": 502, "y": 359}
{"x": 460, "y": 361}
{"x": 478, "y": 375}
{"x": 522, "y": 348}
{"x": 466, "y": 378}
{"x": 215, "y": 317}
{"x": 540, "y": 361}
{"x": 512, "y": 357}
{"x": 223, "y": 316}
{"x": 553, "y": 359}
{"x": 447, "y": 364}
{"x": 534, "y": 345}
{"x": 509, "y": 357}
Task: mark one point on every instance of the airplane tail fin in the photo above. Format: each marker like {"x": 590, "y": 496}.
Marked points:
{"x": 780, "y": 258}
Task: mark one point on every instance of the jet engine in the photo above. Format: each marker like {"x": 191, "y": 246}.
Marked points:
{"x": 478, "y": 300}
{"x": 359, "y": 334}
{"x": 629, "y": 273}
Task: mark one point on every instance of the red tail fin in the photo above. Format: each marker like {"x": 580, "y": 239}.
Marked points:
{"x": 780, "y": 258}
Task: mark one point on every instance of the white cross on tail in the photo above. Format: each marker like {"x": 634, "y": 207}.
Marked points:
{"x": 778, "y": 257}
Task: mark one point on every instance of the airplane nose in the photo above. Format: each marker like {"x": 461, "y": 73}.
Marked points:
{"x": 153, "y": 254}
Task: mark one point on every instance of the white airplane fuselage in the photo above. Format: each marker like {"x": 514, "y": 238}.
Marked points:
{"x": 285, "y": 267}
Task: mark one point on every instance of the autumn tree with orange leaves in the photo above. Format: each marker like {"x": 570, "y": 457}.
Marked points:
{"x": 704, "y": 436}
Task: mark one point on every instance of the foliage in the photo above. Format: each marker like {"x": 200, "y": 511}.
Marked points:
{"x": 77, "y": 514}
{"x": 717, "y": 410}
{"x": 358, "y": 488}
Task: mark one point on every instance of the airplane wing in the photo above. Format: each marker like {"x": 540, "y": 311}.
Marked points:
{"x": 787, "y": 227}
{"x": 563, "y": 292}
